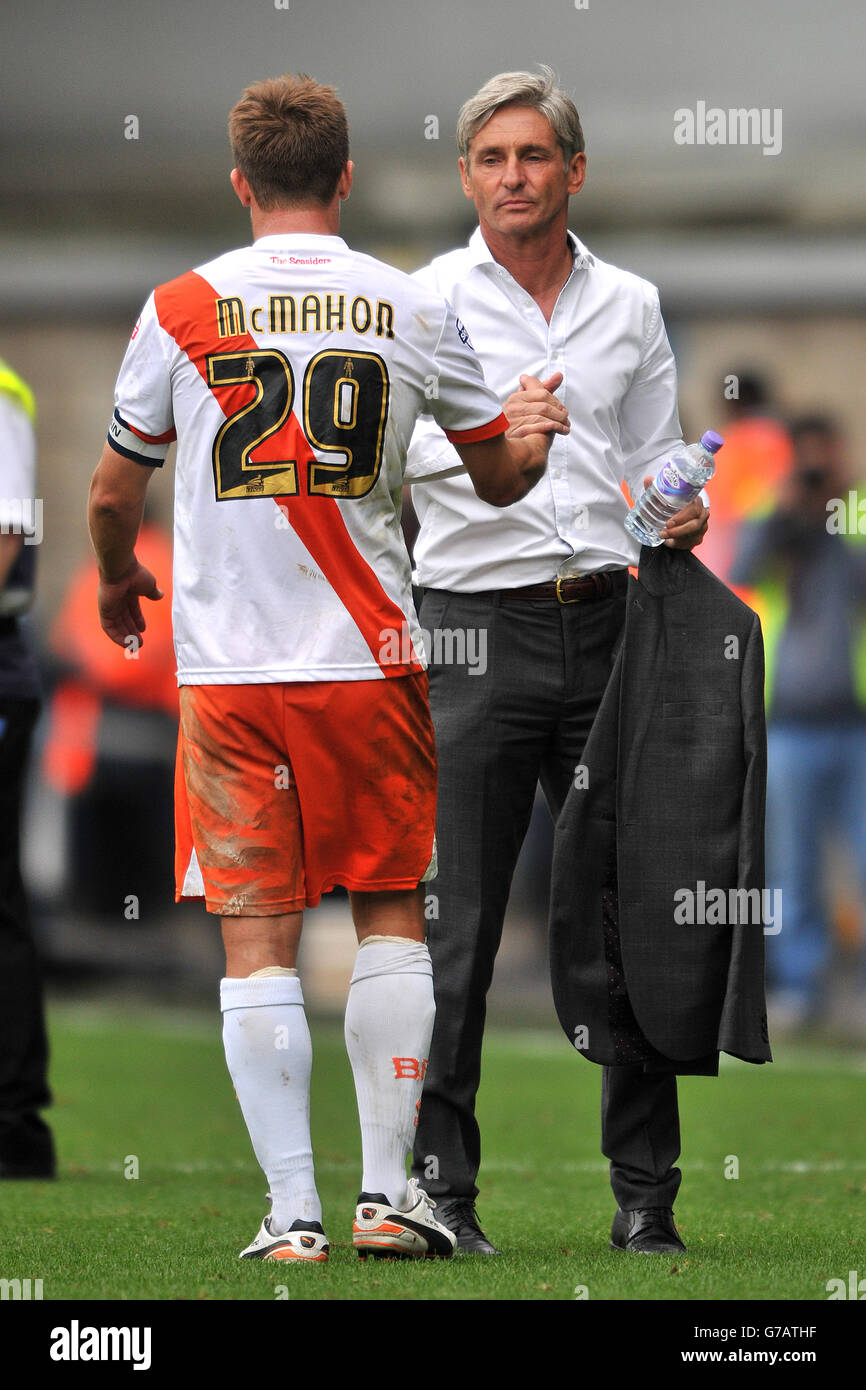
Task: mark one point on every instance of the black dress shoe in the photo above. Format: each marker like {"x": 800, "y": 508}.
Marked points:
{"x": 460, "y": 1216}
{"x": 646, "y": 1231}
{"x": 26, "y": 1147}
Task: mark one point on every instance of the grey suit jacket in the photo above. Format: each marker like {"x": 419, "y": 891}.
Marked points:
{"x": 664, "y": 823}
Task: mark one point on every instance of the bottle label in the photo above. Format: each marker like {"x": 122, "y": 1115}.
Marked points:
{"x": 670, "y": 483}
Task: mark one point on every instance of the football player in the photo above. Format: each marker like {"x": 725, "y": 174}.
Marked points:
{"x": 291, "y": 373}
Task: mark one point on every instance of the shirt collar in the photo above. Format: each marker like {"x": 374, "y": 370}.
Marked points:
{"x": 316, "y": 239}
{"x": 479, "y": 251}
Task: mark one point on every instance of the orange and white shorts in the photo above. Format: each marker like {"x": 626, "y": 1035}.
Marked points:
{"x": 283, "y": 791}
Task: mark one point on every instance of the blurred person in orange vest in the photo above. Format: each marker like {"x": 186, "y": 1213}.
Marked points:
{"x": 757, "y": 457}
{"x": 111, "y": 701}
{"x": 806, "y": 560}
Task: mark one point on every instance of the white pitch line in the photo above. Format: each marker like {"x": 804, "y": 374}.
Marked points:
{"x": 502, "y": 1165}
{"x": 532, "y": 1043}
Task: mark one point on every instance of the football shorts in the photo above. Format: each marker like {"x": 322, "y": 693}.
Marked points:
{"x": 283, "y": 791}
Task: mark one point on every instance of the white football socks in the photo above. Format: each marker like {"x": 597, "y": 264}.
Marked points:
{"x": 389, "y": 1023}
{"x": 269, "y": 1056}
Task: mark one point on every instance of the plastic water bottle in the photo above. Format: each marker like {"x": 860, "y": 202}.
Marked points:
{"x": 676, "y": 484}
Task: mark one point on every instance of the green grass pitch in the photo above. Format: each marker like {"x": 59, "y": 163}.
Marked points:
{"x": 149, "y": 1093}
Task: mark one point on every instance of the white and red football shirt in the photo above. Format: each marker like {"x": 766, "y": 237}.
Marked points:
{"x": 291, "y": 373}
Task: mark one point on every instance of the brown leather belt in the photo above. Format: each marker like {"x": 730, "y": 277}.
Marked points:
{"x": 584, "y": 588}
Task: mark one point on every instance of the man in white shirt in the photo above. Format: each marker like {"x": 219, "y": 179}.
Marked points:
{"x": 291, "y": 373}
{"x": 545, "y": 582}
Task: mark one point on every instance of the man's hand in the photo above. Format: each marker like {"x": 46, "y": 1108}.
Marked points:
{"x": 687, "y": 527}
{"x": 120, "y": 607}
{"x": 504, "y": 469}
{"x": 533, "y": 409}
{"x": 114, "y": 511}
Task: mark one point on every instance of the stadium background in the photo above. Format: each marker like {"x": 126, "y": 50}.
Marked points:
{"x": 759, "y": 259}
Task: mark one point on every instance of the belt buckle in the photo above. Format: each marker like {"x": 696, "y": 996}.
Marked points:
{"x": 562, "y": 580}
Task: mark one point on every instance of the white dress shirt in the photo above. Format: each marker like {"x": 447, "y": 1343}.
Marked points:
{"x": 607, "y": 337}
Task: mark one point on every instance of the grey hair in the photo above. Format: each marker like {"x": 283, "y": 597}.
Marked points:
{"x": 538, "y": 90}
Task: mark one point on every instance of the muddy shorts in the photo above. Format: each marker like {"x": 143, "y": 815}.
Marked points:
{"x": 283, "y": 791}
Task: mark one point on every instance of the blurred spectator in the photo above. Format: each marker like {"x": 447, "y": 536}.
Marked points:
{"x": 807, "y": 561}
{"x": 756, "y": 458}
{"x": 26, "y": 1144}
{"x": 112, "y": 733}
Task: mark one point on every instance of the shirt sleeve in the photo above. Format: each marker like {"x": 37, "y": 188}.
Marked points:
{"x": 649, "y": 418}
{"x": 142, "y": 427}
{"x": 430, "y": 456}
{"x": 17, "y": 466}
{"x": 461, "y": 402}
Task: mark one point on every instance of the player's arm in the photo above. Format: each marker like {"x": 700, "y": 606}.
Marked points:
{"x": 114, "y": 511}
{"x": 505, "y": 468}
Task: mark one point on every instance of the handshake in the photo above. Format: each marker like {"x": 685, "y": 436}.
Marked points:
{"x": 533, "y": 409}
{"x": 504, "y": 469}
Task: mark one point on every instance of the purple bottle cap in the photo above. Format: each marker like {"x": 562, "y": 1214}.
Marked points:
{"x": 712, "y": 442}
